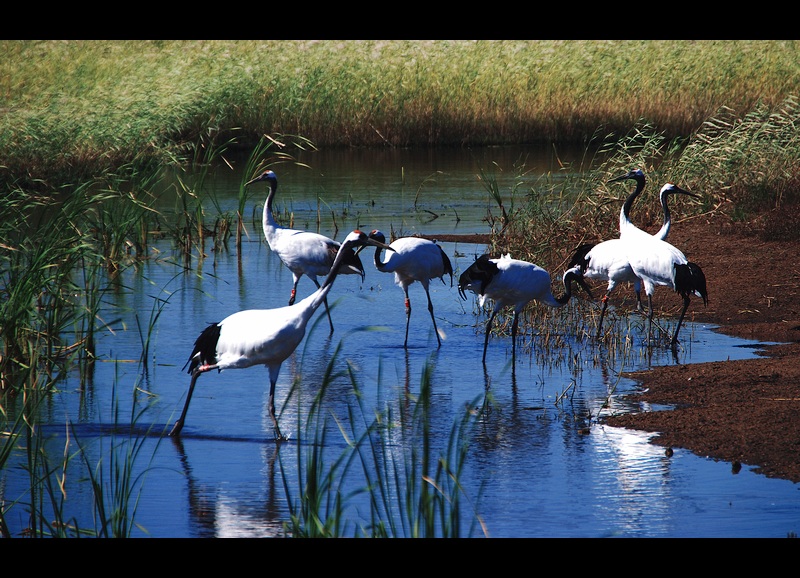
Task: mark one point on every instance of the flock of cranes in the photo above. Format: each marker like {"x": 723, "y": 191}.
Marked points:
{"x": 269, "y": 336}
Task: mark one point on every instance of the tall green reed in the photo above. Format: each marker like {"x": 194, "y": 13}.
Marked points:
{"x": 81, "y": 108}
{"x": 116, "y": 484}
{"x": 750, "y": 161}
{"x": 44, "y": 245}
{"x": 412, "y": 485}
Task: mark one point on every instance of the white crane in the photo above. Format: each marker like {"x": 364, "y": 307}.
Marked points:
{"x": 263, "y": 336}
{"x": 413, "y": 259}
{"x": 607, "y": 260}
{"x": 513, "y": 283}
{"x": 303, "y": 252}
{"x": 656, "y": 262}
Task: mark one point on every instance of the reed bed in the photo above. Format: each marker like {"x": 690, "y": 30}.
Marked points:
{"x": 78, "y": 108}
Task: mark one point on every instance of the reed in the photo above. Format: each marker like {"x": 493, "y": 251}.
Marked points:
{"x": 191, "y": 191}
{"x": 42, "y": 250}
{"x": 116, "y": 485}
{"x": 412, "y": 488}
{"x": 750, "y": 163}
{"x": 78, "y": 108}
{"x": 116, "y": 480}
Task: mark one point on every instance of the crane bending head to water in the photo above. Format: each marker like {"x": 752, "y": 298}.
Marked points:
{"x": 513, "y": 283}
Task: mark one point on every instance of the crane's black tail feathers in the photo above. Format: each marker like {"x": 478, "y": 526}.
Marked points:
{"x": 689, "y": 278}
{"x": 206, "y": 346}
{"x": 479, "y": 275}
{"x": 448, "y": 266}
{"x": 579, "y": 257}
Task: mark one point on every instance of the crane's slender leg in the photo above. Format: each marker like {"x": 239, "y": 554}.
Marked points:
{"x": 327, "y": 311}
{"x": 408, "y": 315}
{"x": 430, "y": 310}
{"x": 680, "y": 320}
{"x": 602, "y": 314}
{"x": 514, "y": 326}
{"x": 488, "y": 331}
{"x": 637, "y": 288}
{"x": 294, "y": 289}
{"x": 278, "y": 436}
{"x": 650, "y": 319}
{"x": 176, "y": 429}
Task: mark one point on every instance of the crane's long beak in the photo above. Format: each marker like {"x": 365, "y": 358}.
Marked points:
{"x": 374, "y": 243}
{"x": 583, "y": 284}
{"x": 619, "y": 178}
{"x": 685, "y": 192}
{"x": 255, "y": 180}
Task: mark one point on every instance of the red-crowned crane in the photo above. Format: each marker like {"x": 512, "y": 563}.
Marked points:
{"x": 303, "y": 252}
{"x": 656, "y": 262}
{"x": 413, "y": 259}
{"x": 513, "y": 283}
{"x": 263, "y": 336}
{"x": 607, "y": 260}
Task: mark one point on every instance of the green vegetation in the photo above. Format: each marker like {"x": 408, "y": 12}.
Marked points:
{"x": 90, "y": 127}
{"x": 74, "y": 109}
{"x": 413, "y": 488}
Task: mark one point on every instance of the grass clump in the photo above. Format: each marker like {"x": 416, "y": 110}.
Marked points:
{"x": 408, "y": 479}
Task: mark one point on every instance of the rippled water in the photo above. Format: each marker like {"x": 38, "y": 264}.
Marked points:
{"x": 539, "y": 464}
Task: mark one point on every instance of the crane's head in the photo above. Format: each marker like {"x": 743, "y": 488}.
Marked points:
{"x": 377, "y": 235}
{"x": 267, "y": 175}
{"x": 575, "y": 274}
{"x": 478, "y": 276}
{"x": 635, "y": 174}
{"x": 670, "y": 189}
{"x": 379, "y": 238}
{"x": 359, "y": 239}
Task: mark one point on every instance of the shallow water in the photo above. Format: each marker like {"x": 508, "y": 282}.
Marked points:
{"x": 538, "y": 465}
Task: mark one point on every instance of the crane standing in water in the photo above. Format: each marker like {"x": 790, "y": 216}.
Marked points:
{"x": 413, "y": 259}
{"x": 303, "y": 252}
{"x": 513, "y": 283}
{"x": 263, "y": 336}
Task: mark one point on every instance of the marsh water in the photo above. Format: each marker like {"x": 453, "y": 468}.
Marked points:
{"x": 539, "y": 464}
